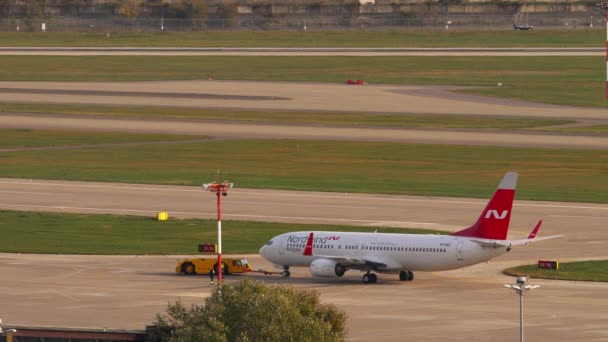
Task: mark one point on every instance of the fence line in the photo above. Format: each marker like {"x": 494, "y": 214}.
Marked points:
{"x": 292, "y": 23}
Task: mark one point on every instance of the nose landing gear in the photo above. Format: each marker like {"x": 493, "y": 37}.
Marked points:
{"x": 285, "y": 273}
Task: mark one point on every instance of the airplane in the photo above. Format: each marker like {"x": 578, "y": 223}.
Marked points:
{"x": 331, "y": 254}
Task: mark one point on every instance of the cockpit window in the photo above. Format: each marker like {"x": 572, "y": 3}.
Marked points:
{"x": 269, "y": 243}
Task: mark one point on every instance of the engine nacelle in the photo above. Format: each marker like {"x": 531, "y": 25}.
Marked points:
{"x": 326, "y": 268}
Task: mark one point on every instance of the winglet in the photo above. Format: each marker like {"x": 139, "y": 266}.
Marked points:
{"x": 535, "y": 230}
{"x": 308, "y": 249}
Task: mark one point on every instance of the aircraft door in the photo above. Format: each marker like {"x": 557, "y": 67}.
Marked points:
{"x": 460, "y": 250}
{"x": 282, "y": 245}
{"x": 359, "y": 248}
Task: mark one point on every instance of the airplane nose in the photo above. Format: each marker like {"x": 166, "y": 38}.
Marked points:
{"x": 262, "y": 253}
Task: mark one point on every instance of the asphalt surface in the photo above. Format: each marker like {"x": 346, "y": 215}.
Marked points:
{"x": 265, "y": 51}
{"x": 127, "y": 292}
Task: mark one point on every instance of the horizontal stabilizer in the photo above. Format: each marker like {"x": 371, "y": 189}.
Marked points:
{"x": 529, "y": 241}
{"x": 492, "y": 243}
{"x": 532, "y": 237}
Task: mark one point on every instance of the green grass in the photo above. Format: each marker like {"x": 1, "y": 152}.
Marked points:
{"x": 37, "y": 232}
{"x": 414, "y": 169}
{"x": 354, "y": 119}
{"x": 355, "y": 38}
{"x": 13, "y": 138}
{"x": 576, "y": 81}
{"x": 579, "y": 271}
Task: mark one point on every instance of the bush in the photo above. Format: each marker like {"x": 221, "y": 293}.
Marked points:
{"x": 251, "y": 311}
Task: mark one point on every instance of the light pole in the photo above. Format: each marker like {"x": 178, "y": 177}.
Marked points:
{"x": 604, "y": 6}
{"x": 220, "y": 190}
{"x": 8, "y": 332}
{"x": 520, "y": 289}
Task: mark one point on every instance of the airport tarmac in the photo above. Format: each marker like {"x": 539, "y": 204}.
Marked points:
{"x": 470, "y": 304}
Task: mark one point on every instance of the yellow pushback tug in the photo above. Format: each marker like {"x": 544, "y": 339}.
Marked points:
{"x": 203, "y": 266}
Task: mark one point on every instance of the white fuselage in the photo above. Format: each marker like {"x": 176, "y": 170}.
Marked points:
{"x": 411, "y": 252}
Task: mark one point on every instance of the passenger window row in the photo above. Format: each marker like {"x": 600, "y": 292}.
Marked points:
{"x": 375, "y": 248}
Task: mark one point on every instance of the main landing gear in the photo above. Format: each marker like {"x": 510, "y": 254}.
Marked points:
{"x": 285, "y": 273}
{"x": 406, "y": 276}
{"x": 370, "y": 278}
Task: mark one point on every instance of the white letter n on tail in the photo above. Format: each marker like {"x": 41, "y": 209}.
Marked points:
{"x": 496, "y": 215}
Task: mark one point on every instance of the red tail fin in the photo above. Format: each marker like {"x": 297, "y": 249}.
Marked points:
{"x": 308, "y": 249}
{"x": 494, "y": 220}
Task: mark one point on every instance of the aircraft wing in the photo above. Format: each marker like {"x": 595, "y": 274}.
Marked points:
{"x": 352, "y": 261}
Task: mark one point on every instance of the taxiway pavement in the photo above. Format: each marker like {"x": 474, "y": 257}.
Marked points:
{"x": 470, "y": 304}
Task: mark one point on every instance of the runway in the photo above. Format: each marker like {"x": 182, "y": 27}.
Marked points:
{"x": 265, "y": 51}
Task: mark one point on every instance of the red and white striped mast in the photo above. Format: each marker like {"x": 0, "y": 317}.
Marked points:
{"x": 220, "y": 190}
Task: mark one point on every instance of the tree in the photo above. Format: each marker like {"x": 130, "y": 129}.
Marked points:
{"x": 200, "y": 12}
{"x": 132, "y": 8}
{"x": 249, "y": 312}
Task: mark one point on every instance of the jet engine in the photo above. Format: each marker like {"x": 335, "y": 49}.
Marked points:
{"x": 326, "y": 268}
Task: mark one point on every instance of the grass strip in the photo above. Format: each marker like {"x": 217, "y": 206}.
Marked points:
{"x": 578, "y": 271}
{"x": 369, "y": 167}
{"x": 539, "y": 79}
{"x": 61, "y": 233}
{"x": 352, "y": 119}
{"x": 14, "y": 138}
{"x": 344, "y": 38}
